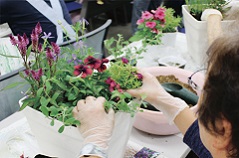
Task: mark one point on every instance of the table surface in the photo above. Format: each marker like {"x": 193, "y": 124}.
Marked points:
{"x": 16, "y": 136}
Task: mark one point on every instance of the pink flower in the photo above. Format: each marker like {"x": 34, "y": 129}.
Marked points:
{"x": 102, "y": 65}
{"x": 38, "y": 29}
{"x": 140, "y": 21}
{"x": 39, "y": 47}
{"x": 146, "y": 15}
{"x": 139, "y": 76}
{"x": 160, "y": 13}
{"x": 154, "y": 30}
{"x": 92, "y": 62}
{"x": 37, "y": 74}
{"x": 34, "y": 38}
{"x": 113, "y": 85}
{"x": 83, "y": 70}
{"x": 150, "y": 24}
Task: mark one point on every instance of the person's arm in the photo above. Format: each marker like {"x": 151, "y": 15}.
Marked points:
{"x": 174, "y": 108}
{"x": 96, "y": 130}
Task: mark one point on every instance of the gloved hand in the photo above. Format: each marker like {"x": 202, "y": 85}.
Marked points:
{"x": 158, "y": 97}
{"x": 96, "y": 125}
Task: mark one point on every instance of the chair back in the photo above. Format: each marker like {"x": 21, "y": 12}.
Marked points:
{"x": 9, "y": 98}
{"x": 94, "y": 39}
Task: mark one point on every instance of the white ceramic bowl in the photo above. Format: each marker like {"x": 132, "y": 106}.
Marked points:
{"x": 155, "y": 122}
{"x": 174, "y": 61}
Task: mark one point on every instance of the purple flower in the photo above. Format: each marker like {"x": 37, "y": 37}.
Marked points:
{"x": 13, "y": 40}
{"x": 56, "y": 48}
{"x": 79, "y": 44}
{"x": 37, "y": 74}
{"x": 46, "y": 36}
{"x": 75, "y": 60}
{"x": 125, "y": 60}
{"x": 27, "y": 72}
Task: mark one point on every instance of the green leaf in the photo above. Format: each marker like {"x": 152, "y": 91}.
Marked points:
{"x": 71, "y": 96}
{"x": 44, "y": 101}
{"x": 61, "y": 129}
{"x": 12, "y": 85}
{"x": 61, "y": 85}
{"x": 44, "y": 110}
{"x": 127, "y": 95}
{"x": 52, "y": 122}
{"x": 39, "y": 91}
{"x": 54, "y": 111}
{"x": 70, "y": 120}
{"x": 48, "y": 86}
{"x": 56, "y": 94}
{"x": 29, "y": 51}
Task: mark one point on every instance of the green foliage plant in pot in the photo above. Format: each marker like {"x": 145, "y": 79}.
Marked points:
{"x": 196, "y": 30}
{"x": 58, "y": 78}
{"x": 153, "y": 25}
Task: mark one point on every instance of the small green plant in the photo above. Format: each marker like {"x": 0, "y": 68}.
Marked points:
{"x": 119, "y": 47}
{"x": 59, "y": 77}
{"x": 153, "y": 24}
{"x": 196, "y": 7}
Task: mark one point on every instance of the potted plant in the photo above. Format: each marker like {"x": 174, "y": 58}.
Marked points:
{"x": 196, "y": 30}
{"x": 58, "y": 78}
{"x": 155, "y": 25}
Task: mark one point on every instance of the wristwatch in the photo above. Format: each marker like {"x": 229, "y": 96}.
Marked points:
{"x": 92, "y": 150}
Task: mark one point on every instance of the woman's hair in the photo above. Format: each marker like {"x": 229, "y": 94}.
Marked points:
{"x": 221, "y": 90}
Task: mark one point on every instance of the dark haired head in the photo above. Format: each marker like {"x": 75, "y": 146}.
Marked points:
{"x": 221, "y": 90}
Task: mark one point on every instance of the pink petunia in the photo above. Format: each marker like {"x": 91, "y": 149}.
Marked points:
{"x": 102, "y": 65}
{"x": 140, "y": 21}
{"x": 83, "y": 70}
{"x": 150, "y": 24}
{"x": 146, "y": 15}
{"x": 92, "y": 62}
{"x": 160, "y": 13}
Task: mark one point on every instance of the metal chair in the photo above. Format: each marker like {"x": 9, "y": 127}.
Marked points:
{"x": 94, "y": 39}
{"x": 9, "y": 98}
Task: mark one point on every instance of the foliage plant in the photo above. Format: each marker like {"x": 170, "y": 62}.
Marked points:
{"x": 153, "y": 24}
{"x": 60, "y": 76}
{"x": 196, "y": 7}
{"x": 119, "y": 47}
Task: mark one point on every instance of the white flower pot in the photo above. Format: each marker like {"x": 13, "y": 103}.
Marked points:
{"x": 197, "y": 37}
{"x": 169, "y": 39}
{"x": 68, "y": 144}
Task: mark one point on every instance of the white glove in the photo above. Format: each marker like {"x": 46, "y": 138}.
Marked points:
{"x": 96, "y": 125}
{"x": 158, "y": 97}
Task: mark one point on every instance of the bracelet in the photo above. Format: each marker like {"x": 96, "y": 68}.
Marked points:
{"x": 92, "y": 150}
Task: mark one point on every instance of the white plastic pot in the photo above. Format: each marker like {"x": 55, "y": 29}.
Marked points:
{"x": 197, "y": 37}
{"x": 69, "y": 143}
